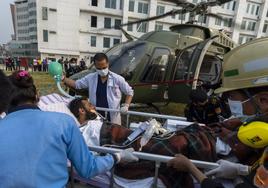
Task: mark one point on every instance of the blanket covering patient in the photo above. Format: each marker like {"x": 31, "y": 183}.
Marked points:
{"x": 195, "y": 142}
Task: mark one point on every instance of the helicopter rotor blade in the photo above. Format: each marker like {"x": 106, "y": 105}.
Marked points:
{"x": 195, "y": 9}
{"x": 169, "y": 13}
{"x": 220, "y": 2}
{"x": 181, "y": 3}
{"x": 216, "y": 2}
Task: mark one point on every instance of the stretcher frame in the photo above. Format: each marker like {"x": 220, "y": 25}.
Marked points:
{"x": 158, "y": 159}
{"x": 143, "y": 114}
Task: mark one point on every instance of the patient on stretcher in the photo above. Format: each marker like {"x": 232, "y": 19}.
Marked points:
{"x": 195, "y": 142}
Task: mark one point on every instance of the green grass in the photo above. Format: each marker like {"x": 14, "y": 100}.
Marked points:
{"x": 43, "y": 82}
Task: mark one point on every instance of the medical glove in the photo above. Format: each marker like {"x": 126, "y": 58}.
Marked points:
{"x": 124, "y": 108}
{"x": 126, "y": 156}
{"x": 229, "y": 170}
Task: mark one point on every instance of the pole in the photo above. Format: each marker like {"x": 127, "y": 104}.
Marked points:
{"x": 154, "y": 157}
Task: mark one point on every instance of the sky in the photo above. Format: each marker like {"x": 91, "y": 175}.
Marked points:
{"x": 6, "y": 28}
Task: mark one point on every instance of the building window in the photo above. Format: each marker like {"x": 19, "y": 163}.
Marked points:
{"x": 94, "y": 3}
{"x": 252, "y": 9}
{"x": 240, "y": 41}
{"x": 228, "y": 22}
{"x": 107, "y": 23}
{"x": 130, "y": 27}
{"x": 181, "y": 16}
{"x": 121, "y": 4}
{"x": 158, "y": 27}
{"x": 257, "y": 10}
{"x": 142, "y": 27}
{"x": 249, "y": 39}
{"x": 44, "y": 13}
{"x": 116, "y": 41}
{"x": 131, "y": 6}
{"x": 52, "y": 9}
{"x": 110, "y": 4}
{"x": 218, "y": 21}
{"x": 143, "y": 8}
{"x": 243, "y": 25}
{"x": 93, "y": 41}
{"x": 45, "y": 35}
{"x": 228, "y": 6}
{"x": 32, "y": 21}
{"x": 93, "y": 21}
{"x": 202, "y": 19}
{"x": 106, "y": 42}
{"x": 117, "y": 23}
{"x": 251, "y": 26}
{"x": 160, "y": 10}
{"x": 264, "y": 30}
{"x": 234, "y": 4}
{"x": 248, "y": 7}
{"x": 92, "y": 59}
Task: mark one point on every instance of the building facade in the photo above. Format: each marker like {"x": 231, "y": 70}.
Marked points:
{"x": 68, "y": 28}
{"x": 24, "y": 16}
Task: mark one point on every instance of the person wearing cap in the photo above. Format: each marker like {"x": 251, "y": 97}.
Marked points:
{"x": 245, "y": 83}
{"x": 104, "y": 88}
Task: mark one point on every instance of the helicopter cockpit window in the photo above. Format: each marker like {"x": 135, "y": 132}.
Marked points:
{"x": 157, "y": 67}
{"x": 183, "y": 64}
{"x": 210, "y": 69}
{"x": 125, "y": 58}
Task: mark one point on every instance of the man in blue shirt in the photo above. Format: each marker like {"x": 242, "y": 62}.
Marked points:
{"x": 35, "y": 145}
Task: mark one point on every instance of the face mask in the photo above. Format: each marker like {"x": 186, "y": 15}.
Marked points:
{"x": 103, "y": 72}
{"x": 236, "y": 107}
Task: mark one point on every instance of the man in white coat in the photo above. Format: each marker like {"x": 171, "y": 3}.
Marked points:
{"x": 105, "y": 88}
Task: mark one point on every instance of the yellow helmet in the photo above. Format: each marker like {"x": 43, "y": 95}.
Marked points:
{"x": 245, "y": 66}
{"x": 254, "y": 134}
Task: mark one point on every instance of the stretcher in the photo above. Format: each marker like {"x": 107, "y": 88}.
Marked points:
{"x": 109, "y": 179}
{"x": 101, "y": 181}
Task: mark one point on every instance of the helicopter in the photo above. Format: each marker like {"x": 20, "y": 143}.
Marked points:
{"x": 164, "y": 66}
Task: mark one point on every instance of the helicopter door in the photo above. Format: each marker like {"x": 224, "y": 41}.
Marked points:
{"x": 154, "y": 76}
{"x": 199, "y": 56}
{"x": 186, "y": 73}
{"x": 210, "y": 72}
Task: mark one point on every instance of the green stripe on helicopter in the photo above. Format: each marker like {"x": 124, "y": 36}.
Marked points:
{"x": 229, "y": 73}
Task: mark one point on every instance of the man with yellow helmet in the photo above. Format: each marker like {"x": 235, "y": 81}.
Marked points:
{"x": 245, "y": 83}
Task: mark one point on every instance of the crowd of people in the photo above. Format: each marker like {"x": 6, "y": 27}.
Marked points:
{"x": 71, "y": 66}
{"x": 35, "y": 145}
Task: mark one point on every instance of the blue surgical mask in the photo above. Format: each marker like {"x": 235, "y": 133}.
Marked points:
{"x": 236, "y": 107}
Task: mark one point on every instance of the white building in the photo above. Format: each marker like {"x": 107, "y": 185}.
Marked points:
{"x": 80, "y": 28}
{"x": 25, "y": 20}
